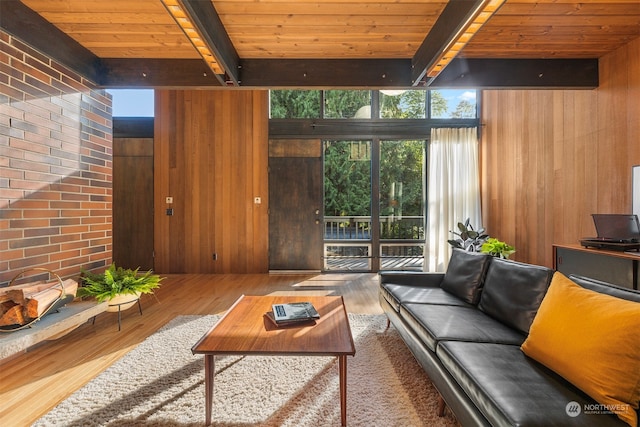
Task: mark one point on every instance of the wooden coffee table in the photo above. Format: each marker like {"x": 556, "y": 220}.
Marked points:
{"x": 244, "y": 330}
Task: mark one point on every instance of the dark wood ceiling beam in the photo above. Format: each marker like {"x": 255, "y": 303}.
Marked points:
{"x": 205, "y": 18}
{"x": 446, "y": 27}
{"x": 326, "y": 73}
{"x": 33, "y": 30}
{"x": 519, "y": 74}
{"x": 354, "y": 73}
{"x": 157, "y": 73}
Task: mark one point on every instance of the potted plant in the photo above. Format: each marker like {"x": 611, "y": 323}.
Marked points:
{"x": 468, "y": 239}
{"x": 497, "y": 248}
{"x": 120, "y": 287}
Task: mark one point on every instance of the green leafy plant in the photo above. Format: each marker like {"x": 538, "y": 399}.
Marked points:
{"x": 497, "y": 248}
{"x": 469, "y": 238}
{"x": 116, "y": 281}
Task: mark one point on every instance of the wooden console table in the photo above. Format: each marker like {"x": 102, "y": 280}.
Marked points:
{"x": 617, "y": 267}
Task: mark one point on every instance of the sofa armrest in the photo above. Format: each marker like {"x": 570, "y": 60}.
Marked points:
{"x": 413, "y": 278}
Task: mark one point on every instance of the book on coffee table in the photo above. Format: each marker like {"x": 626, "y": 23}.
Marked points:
{"x": 296, "y": 312}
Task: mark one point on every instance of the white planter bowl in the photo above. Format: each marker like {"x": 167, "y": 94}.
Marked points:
{"x": 122, "y": 302}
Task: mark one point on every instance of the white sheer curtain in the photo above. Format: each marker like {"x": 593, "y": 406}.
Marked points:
{"x": 453, "y": 177}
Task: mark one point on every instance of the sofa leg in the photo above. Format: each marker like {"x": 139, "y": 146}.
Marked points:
{"x": 388, "y": 323}
{"x": 442, "y": 406}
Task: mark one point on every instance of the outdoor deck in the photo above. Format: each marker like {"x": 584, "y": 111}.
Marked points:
{"x": 348, "y": 243}
{"x": 363, "y": 264}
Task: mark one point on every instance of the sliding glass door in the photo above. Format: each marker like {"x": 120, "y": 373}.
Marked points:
{"x": 373, "y": 205}
{"x": 402, "y": 196}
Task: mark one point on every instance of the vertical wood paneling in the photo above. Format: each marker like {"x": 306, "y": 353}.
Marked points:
{"x": 217, "y": 165}
{"x": 552, "y": 158}
{"x": 133, "y": 203}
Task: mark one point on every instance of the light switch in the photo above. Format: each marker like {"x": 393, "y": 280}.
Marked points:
{"x": 169, "y": 200}
{"x": 257, "y": 200}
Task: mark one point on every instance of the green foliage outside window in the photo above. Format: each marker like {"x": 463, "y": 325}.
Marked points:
{"x": 401, "y": 166}
{"x": 443, "y": 101}
{"x": 347, "y": 104}
{"x": 408, "y": 104}
{"x": 295, "y": 104}
{"x": 393, "y": 104}
{"x": 347, "y": 182}
{"x": 401, "y": 189}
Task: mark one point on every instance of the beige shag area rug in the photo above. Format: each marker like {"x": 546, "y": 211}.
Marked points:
{"x": 160, "y": 383}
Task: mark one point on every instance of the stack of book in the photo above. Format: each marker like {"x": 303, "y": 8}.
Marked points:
{"x": 292, "y": 313}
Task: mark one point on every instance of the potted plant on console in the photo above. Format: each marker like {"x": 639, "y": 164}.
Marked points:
{"x": 497, "y": 248}
{"x": 120, "y": 287}
{"x": 472, "y": 240}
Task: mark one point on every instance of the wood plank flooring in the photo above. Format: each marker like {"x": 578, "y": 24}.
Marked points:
{"x": 32, "y": 383}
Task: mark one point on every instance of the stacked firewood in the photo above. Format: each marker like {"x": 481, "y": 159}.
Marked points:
{"x": 20, "y": 304}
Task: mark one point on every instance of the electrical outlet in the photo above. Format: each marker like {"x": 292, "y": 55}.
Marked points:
{"x": 214, "y": 256}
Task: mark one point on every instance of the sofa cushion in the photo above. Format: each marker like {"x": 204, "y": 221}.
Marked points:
{"x": 400, "y": 294}
{"x": 465, "y": 275}
{"x": 512, "y": 389}
{"x": 513, "y": 292}
{"x": 434, "y": 323}
{"x": 592, "y": 340}
{"x": 606, "y": 288}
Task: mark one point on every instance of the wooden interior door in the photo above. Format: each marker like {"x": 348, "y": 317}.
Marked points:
{"x": 133, "y": 203}
{"x": 295, "y": 205}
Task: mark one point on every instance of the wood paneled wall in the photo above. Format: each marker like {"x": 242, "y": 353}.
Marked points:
{"x": 552, "y": 158}
{"x": 211, "y": 156}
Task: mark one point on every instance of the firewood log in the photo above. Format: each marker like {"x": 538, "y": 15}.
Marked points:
{"x": 5, "y": 306}
{"x": 13, "y": 316}
{"x": 20, "y": 293}
{"x": 23, "y": 285}
{"x": 37, "y": 303}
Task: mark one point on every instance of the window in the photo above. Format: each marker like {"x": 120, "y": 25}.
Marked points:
{"x": 403, "y": 104}
{"x": 390, "y": 104}
{"x": 449, "y": 103}
{"x": 295, "y": 104}
{"x": 132, "y": 102}
{"x": 374, "y": 156}
{"x": 347, "y": 104}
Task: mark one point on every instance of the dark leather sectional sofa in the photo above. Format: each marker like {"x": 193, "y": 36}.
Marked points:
{"x": 466, "y": 327}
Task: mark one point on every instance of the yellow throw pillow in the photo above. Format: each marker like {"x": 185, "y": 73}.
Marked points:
{"x": 593, "y": 341}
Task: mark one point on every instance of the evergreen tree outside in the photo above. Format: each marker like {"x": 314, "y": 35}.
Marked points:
{"x": 409, "y": 104}
{"x": 295, "y": 104}
{"x": 401, "y": 189}
{"x": 347, "y": 181}
{"x": 464, "y": 110}
{"x": 438, "y": 105}
{"x": 344, "y": 104}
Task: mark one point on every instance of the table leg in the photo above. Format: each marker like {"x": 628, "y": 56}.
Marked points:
{"x": 342, "y": 365}
{"x": 209, "y": 370}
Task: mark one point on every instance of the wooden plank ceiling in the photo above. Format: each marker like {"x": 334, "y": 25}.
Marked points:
{"x": 335, "y": 43}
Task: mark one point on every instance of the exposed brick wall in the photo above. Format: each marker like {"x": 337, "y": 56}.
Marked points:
{"x": 55, "y": 166}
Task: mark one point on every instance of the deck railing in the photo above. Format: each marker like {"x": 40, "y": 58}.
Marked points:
{"x": 348, "y": 243}
{"x": 359, "y": 227}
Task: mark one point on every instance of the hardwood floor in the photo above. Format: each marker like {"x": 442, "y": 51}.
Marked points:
{"x": 32, "y": 383}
